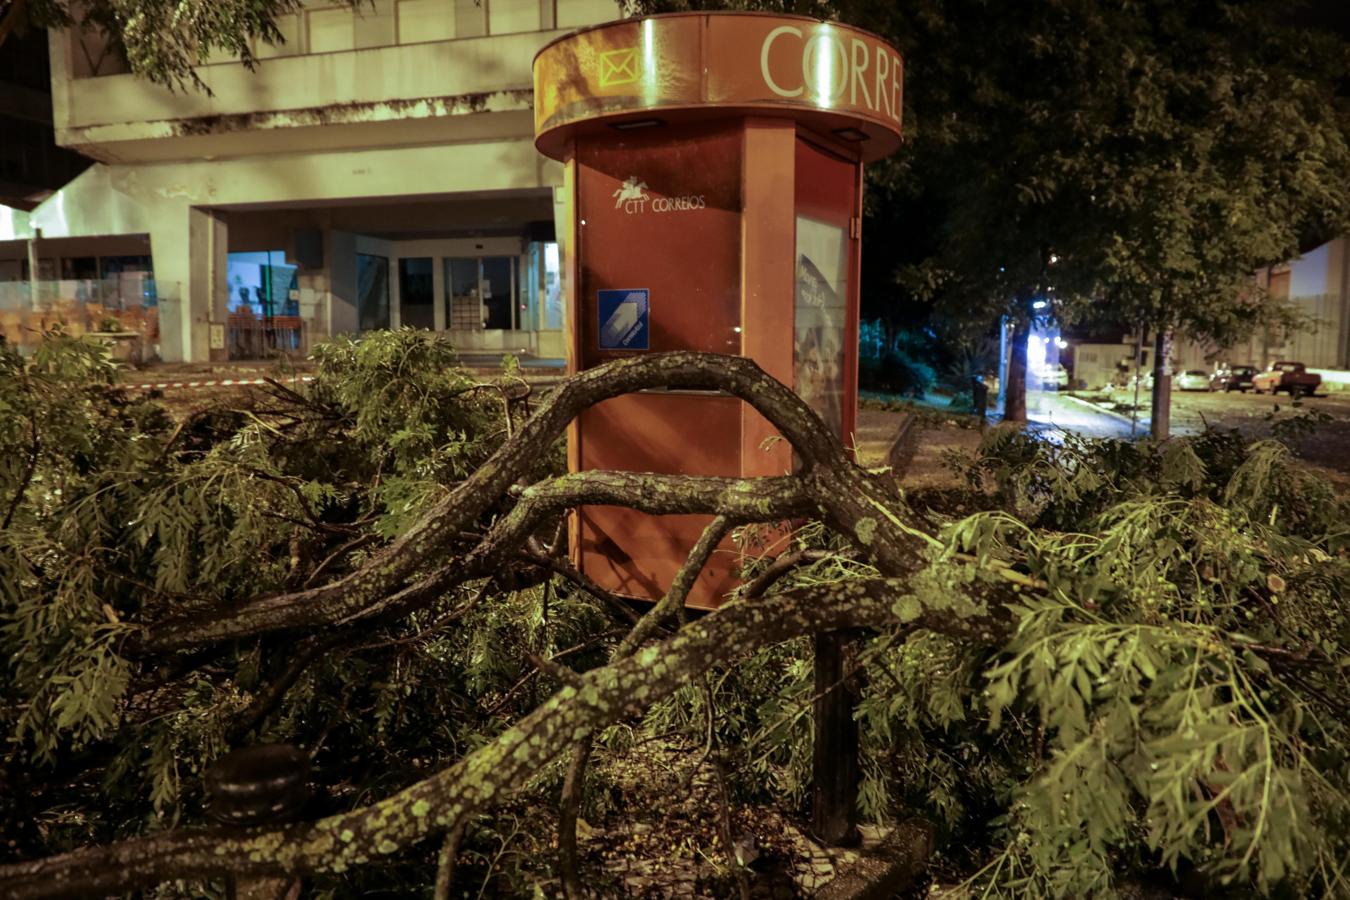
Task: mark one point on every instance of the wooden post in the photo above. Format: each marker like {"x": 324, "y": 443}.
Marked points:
{"x": 835, "y": 768}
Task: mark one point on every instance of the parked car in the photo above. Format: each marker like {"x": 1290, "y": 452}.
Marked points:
{"x": 1193, "y": 380}
{"x": 1054, "y": 374}
{"x": 1291, "y": 377}
{"x": 1144, "y": 380}
{"x": 1233, "y": 378}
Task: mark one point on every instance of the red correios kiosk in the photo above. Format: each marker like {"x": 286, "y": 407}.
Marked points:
{"x": 714, "y": 175}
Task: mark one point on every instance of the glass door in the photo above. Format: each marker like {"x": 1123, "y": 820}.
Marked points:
{"x": 464, "y": 308}
{"x": 415, "y": 292}
{"x": 499, "y": 280}
{"x": 480, "y": 293}
{"x": 372, "y": 292}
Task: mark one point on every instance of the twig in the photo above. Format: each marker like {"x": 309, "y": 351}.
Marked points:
{"x": 549, "y": 667}
{"x": 565, "y": 568}
{"x": 349, "y": 546}
{"x": 34, "y": 453}
{"x": 573, "y": 784}
{"x": 530, "y": 675}
{"x": 445, "y": 867}
{"x": 728, "y": 839}
{"x": 784, "y": 564}
{"x": 569, "y": 804}
{"x": 301, "y": 657}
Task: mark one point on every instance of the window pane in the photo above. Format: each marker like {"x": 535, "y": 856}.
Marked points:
{"x": 425, "y": 20}
{"x": 464, "y": 311}
{"x": 416, "y": 298}
{"x": 497, "y": 290}
{"x": 822, "y": 278}
{"x": 330, "y": 30}
{"x": 553, "y": 307}
{"x": 372, "y": 292}
{"x": 572, "y": 13}
{"x": 470, "y": 18}
{"x": 289, "y": 26}
{"x": 511, "y": 16}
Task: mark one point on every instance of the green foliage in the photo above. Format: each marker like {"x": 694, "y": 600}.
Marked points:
{"x": 1168, "y": 701}
{"x": 1179, "y": 656}
{"x": 164, "y": 41}
{"x": 893, "y": 363}
{"x": 121, "y": 512}
{"x": 1163, "y": 699}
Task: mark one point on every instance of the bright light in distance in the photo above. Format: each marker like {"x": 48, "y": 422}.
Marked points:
{"x": 737, "y": 329}
{"x": 1039, "y": 304}
{"x": 1053, "y": 259}
{"x": 1061, "y": 343}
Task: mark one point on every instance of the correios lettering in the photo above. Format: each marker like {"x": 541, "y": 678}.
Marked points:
{"x": 632, "y": 198}
{"x": 830, "y": 70}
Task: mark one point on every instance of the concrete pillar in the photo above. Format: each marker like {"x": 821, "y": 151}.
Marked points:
{"x": 189, "y": 246}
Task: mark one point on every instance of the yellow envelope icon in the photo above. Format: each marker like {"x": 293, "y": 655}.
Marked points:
{"x": 619, "y": 67}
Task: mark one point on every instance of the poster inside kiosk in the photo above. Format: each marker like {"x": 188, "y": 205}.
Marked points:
{"x": 624, "y": 319}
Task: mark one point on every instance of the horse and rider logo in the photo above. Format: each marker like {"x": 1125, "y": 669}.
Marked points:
{"x": 632, "y": 190}
{"x": 632, "y": 197}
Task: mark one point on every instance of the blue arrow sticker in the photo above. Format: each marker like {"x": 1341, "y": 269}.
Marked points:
{"x": 624, "y": 322}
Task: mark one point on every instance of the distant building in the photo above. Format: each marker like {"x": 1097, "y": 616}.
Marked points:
{"x": 376, "y": 170}
{"x": 1317, "y": 285}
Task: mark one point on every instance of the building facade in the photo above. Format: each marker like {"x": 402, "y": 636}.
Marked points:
{"x": 376, "y": 170}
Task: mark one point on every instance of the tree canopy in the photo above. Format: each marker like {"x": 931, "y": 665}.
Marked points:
{"x": 1157, "y": 152}
{"x": 162, "y": 40}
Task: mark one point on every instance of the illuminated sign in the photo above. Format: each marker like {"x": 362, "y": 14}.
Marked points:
{"x": 832, "y": 77}
{"x": 830, "y": 69}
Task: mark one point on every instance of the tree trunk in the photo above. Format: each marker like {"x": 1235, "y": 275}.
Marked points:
{"x": 1162, "y": 385}
{"x": 1015, "y": 394}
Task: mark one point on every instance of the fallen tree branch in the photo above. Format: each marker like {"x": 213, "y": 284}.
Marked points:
{"x": 446, "y": 800}
{"x": 388, "y": 571}
{"x": 569, "y": 804}
{"x": 760, "y": 499}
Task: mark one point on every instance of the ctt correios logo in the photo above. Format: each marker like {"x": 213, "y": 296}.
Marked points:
{"x": 633, "y": 199}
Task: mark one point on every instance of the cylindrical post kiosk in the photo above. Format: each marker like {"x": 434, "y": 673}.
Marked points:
{"x": 714, "y": 176}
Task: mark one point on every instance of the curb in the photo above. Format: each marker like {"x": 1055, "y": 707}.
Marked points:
{"x": 202, "y": 383}
{"x": 209, "y": 383}
{"x": 1142, "y": 421}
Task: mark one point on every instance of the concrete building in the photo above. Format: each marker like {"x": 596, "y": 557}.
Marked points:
{"x": 376, "y": 170}
{"x": 1317, "y": 285}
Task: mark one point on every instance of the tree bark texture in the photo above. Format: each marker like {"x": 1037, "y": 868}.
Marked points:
{"x": 838, "y": 491}
{"x": 1161, "y": 420}
{"x": 835, "y": 773}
